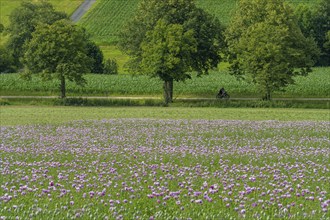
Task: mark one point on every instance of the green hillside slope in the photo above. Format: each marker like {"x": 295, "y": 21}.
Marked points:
{"x": 106, "y": 19}
{"x": 6, "y": 7}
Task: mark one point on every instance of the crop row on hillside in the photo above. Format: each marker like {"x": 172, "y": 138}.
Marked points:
{"x": 109, "y": 16}
{"x": 106, "y": 19}
{"x": 315, "y": 85}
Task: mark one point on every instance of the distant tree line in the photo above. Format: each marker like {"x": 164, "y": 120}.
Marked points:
{"x": 263, "y": 43}
{"x": 266, "y": 43}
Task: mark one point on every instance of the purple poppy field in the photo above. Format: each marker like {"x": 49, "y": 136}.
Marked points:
{"x": 166, "y": 169}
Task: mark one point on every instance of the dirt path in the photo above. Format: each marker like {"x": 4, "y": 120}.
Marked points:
{"x": 160, "y": 97}
{"x": 83, "y": 8}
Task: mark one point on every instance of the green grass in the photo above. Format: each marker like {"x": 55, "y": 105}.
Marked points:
{"x": 112, "y": 52}
{"x": 7, "y": 6}
{"x": 317, "y": 84}
{"x": 25, "y": 115}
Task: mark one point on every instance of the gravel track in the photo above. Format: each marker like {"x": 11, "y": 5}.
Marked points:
{"x": 82, "y": 9}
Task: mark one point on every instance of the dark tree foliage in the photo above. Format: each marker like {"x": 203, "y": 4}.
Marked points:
{"x": 315, "y": 23}
{"x": 110, "y": 67}
{"x": 94, "y": 52}
{"x": 6, "y": 58}
{"x": 327, "y": 42}
{"x": 6, "y": 61}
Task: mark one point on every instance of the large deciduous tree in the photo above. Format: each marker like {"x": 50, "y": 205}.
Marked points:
{"x": 166, "y": 54}
{"x": 266, "y": 46}
{"x": 170, "y": 38}
{"x": 58, "y": 51}
{"x": 23, "y": 22}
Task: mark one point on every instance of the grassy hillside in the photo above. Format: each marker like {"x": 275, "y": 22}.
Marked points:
{"x": 108, "y": 16}
{"x": 6, "y": 7}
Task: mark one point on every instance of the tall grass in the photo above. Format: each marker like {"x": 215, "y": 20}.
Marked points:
{"x": 317, "y": 84}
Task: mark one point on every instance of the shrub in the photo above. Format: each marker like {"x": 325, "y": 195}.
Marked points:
{"x": 7, "y": 64}
{"x": 110, "y": 66}
{"x": 4, "y": 102}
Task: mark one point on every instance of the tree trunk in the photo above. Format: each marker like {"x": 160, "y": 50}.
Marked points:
{"x": 168, "y": 91}
{"x": 62, "y": 87}
{"x": 267, "y": 96}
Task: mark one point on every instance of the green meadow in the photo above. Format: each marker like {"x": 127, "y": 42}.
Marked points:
{"x": 29, "y": 115}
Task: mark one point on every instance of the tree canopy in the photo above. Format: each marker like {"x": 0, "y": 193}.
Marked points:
{"x": 170, "y": 38}
{"x": 23, "y": 22}
{"x": 58, "y": 51}
{"x": 266, "y": 46}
